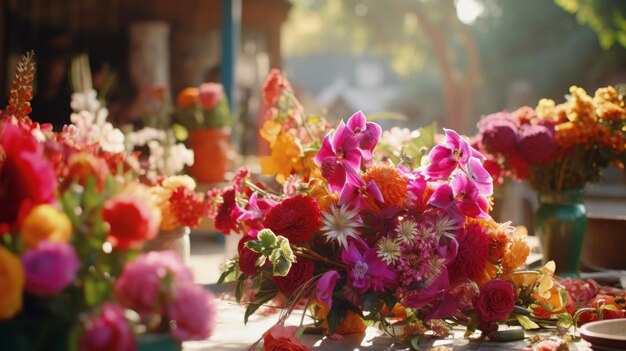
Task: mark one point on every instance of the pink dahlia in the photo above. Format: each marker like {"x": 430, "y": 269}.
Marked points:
{"x": 296, "y": 218}
{"x": 472, "y": 253}
{"x": 537, "y": 143}
{"x": 192, "y": 313}
{"x": 108, "y": 331}
{"x": 499, "y": 133}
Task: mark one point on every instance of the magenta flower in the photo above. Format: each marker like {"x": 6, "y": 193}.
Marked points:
{"x": 498, "y": 133}
{"x": 339, "y": 158}
{"x": 355, "y": 194}
{"x": 108, "y": 331}
{"x": 460, "y": 195}
{"x": 50, "y": 267}
{"x": 365, "y": 269}
{"x": 444, "y": 158}
{"x": 537, "y": 143}
{"x": 367, "y": 134}
{"x": 193, "y": 311}
{"x": 325, "y": 287}
{"x": 256, "y": 210}
{"x": 139, "y": 287}
{"x": 477, "y": 173}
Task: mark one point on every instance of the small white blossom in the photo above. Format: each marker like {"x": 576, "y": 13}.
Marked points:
{"x": 341, "y": 223}
{"x": 388, "y": 250}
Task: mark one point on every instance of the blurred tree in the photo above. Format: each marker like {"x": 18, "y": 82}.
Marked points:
{"x": 606, "y": 17}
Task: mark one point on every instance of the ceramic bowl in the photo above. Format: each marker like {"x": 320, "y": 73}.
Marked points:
{"x": 606, "y": 335}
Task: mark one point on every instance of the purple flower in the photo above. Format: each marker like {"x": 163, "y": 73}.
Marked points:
{"x": 498, "y": 133}
{"x": 50, "y": 267}
{"x": 192, "y": 313}
{"x": 355, "y": 194}
{"x": 325, "y": 287}
{"x": 537, "y": 144}
{"x": 460, "y": 195}
{"x": 367, "y": 134}
{"x": 339, "y": 158}
{"x": 256, "y": 208}
{"x": 365, "y": 269}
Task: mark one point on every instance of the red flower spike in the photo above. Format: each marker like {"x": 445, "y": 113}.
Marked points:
{"x": 22, "y": 87}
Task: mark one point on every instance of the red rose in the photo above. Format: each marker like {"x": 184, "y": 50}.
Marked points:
{"x": 296, "y": 218}
{"x": 281, "y": 338}
{"x": 301, "y": 271}
{"x": 496, "y": 301}
{"x": 130, "y": 221}
{"x": 210, "y": 94}
{"x": 27, "y": 178}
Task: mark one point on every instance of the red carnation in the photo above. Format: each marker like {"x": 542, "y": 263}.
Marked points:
{"x": 188, "y": 206}
{"x": 247, "y": 257}
{"x": 130, "y": 220}
{"x": 296, "y": 218}
{"x": 472, "y": 256}
{"x": 224, "y": 221}
{"x": 301, "y": 271}
{"x": 495, "y": 302}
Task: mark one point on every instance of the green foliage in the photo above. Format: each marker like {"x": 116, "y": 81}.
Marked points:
{"x": 196, "y": 117}
{"x": 605, "y": 17}
{"x": 275, "y": 248}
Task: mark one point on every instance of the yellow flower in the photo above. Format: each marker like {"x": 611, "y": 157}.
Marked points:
{"x": 285, "y": 156}
{"x": 270, "y": 131}
{"x": 516, "y": 254}
{"x": 45, "y": 222}
{"x": 11, "y": 284}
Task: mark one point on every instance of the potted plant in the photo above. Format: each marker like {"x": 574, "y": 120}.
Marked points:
{"x": 204, "y": 112}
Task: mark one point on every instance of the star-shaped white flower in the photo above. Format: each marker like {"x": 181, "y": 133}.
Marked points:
{"x": 340, "y": 223}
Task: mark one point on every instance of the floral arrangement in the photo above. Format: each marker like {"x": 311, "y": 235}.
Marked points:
{"x": 73, "y": 220}
{"x": 557, "y": 147}
{"x": 203, "y": 107}
{"x": 180, "y": 204}
{"x": 361, "y": 240}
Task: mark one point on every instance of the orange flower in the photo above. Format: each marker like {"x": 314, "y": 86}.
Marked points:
{"x": 187, "y": 97}
{"x": 391, "y": 183}
{"x": 516, "y": 254}
{"x": 352, "y": 324}
{"x": 320, "y": 192}
{"x": 270, "y": 131}
{"x": 11, "y": 284}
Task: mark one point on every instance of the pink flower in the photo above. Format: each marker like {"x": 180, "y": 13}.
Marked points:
{"x": 139, "y": 287}
{"x": 367, "y": 134}
{"x": 325, "y": 287}
{"x": 210, "y": 94}
{"x": 27, "y": 178}
{"x": 356, "y": 195}
{"x": 339, "y": 158}
{"x": 460, "y": 195}
{"x": 446, "y": 157}
{"x": 131, "y": 221}
{"x": 365, "y": 269}
{"x": 107, "y": 331}
{"x": 281, "y": 338}
{"x": 496, "y": 301}
{"x": 50, "y": 267}
{"x": 193, "y": 311}
{"x": 498, "y": 133}
{"x": 537, "y": 143}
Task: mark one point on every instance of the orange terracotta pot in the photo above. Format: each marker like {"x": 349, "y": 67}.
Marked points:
{"x": 210, "y": 148}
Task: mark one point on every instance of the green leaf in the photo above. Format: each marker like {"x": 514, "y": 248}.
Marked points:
{"x": 369, "y": 300}
{"x": 255, "y": 245}
{"x": 281, "y": 266}
{"x": 526, "y": 323}
{"x": 239, "y": 287}
{"x": 336, "y": 316}
{"x": 415, "y": 343}
{"x": 259, "y": 300}
{"x": 260, "y": 261}
{"x": 285, "y": 249}
{"x": 267, "y": 239}
{"x": 508, "y": 335}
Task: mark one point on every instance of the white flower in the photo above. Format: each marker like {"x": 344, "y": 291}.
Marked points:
{"x": 388, "y": 250}
{"x": 445, "y": 225}
{"x": 341, "y": 223}
{"x": 406, "y": 230}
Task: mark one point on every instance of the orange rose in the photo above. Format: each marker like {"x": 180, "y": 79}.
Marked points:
{"x": 187, "y": 97}
{"x": 45, "y": 222}
{"x": 281, "y": 338}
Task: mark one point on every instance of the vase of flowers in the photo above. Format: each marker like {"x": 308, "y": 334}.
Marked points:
{"x": 176, "y": 240}
{"x": 361, "y": 240}
{"x": 73, "y": 220}
{"x": 560, "y": 221}
{"x": 558, "y": 150}
{"x": 204, "y": 112}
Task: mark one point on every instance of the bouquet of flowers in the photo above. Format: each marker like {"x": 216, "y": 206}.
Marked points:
{"x": 359, "y": 240}
{"x": 557, "y": 147}
{"x": 72, "y": 222}
{"x": 203, "y": 107}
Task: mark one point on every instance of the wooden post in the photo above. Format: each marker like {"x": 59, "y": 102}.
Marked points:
{"x": 230, "y": 29}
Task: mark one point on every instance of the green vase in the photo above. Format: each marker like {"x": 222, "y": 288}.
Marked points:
{"x": 560, "y": 224}
{"x": 157, "y": 342}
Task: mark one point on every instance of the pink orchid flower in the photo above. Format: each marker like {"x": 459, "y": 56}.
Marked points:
{"x": 256, "y": 209}
{"x": 365, "y": 269}
{"x": 460, "y": 195}
{"x": 356, "y": 195}
{"x": 325, "y": 287}
{"x": 367, "y": 134}
{"x": 339, "y": 157}
{"x": 477, "y": 173}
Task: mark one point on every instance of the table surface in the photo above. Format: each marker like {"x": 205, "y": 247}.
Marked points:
{"x": 232, "y": 335}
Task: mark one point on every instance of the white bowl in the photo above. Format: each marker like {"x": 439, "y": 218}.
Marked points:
{"x": 605, "y": 335}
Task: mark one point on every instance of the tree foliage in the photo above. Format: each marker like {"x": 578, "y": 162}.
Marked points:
{"x": 607, "y": 18}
